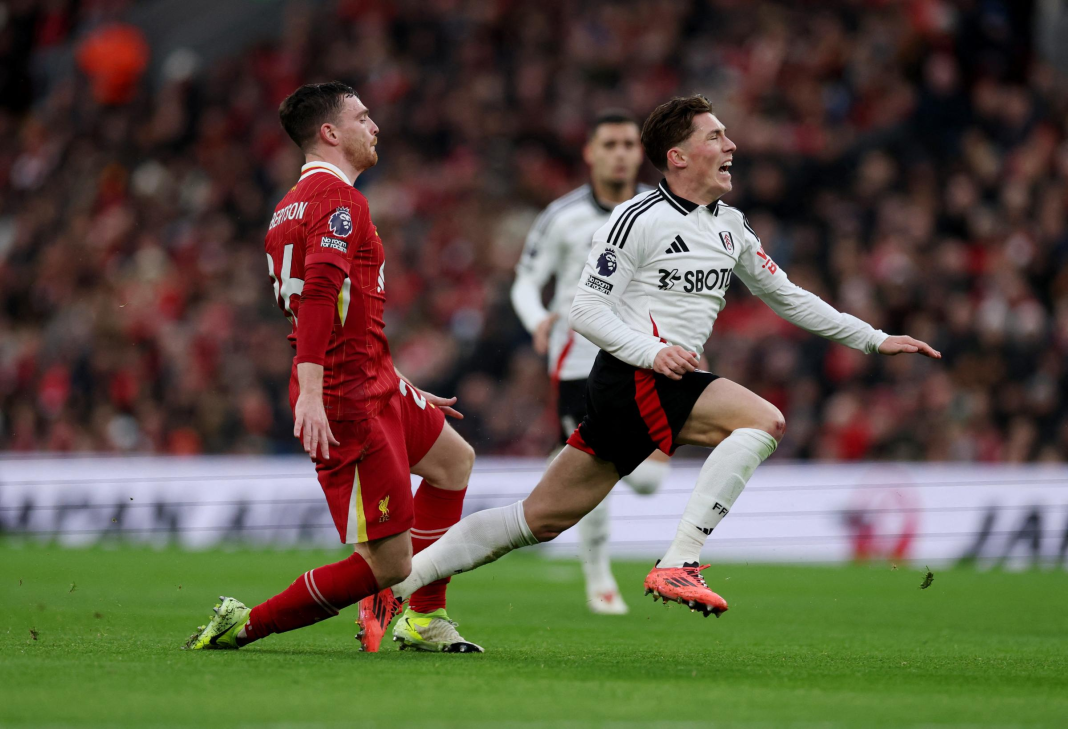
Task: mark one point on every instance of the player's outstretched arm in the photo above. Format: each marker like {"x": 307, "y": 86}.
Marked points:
{"x": 815, "y": 315}
{"x": 903, "y": 344}
{"x": 811, "y": 313}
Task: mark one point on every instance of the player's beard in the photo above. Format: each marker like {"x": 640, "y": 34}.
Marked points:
{"x": 616, "y": 186}
{"x": 360, "y": 155}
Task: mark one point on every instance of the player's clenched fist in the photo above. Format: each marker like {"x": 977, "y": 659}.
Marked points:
{"x": 311, "y": 427}
{"x": 675, "y": 361}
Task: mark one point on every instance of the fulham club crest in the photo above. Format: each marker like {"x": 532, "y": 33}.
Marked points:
{"x": 727, "y": 241}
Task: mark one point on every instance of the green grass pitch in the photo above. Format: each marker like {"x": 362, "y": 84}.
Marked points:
{"x": 802, "y": 646}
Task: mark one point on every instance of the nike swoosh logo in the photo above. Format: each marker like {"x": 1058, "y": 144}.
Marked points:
{"x": 215, "y": 638}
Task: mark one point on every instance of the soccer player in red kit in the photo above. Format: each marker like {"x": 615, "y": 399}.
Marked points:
{"x": 363, "y": 425}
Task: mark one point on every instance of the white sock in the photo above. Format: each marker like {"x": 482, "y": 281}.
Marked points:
{"x": 593, "y": 549}
{"x": 475, "y": 540}
{"x": 647, "y": 477}
{"x": 719, "y": 484}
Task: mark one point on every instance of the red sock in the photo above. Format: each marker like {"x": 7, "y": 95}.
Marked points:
{"x": 435, "y": 511}
{"x": 316, "y": 595}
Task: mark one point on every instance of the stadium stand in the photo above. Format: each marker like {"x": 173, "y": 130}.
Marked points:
{"x": 904, "y": 160}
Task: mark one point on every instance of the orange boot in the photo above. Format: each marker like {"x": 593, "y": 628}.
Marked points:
{"x": 376, "y": 613}
{"x": 685, "y": 586}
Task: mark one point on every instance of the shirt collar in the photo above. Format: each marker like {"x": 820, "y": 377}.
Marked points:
{"x": 683, "y": 205}
{"x": 597, "y": 203}
{"x": 317, "y": 166}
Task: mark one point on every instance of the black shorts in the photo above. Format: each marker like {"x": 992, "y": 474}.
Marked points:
{"x": 632, "y": 412}
{"x": 570, "y": 406}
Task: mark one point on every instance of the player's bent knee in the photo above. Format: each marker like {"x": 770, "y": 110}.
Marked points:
{"x": 774, "y": 424}
{"x": 768, "y": 418}
{"x": 460, "y": 465}
{"x": 459, "y": 468}
{"x": 647, "y": 477}
{"x": 467, "y": 460}
{"x": 451, "y": 464}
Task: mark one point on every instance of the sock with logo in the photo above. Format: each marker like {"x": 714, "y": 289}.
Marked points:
{"x": 719, "y": 484}
{"x": 436, "y": 510}
{"x": 316, "y": 595}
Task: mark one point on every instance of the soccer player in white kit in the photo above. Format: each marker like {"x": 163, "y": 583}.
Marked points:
{"x": 557, "y": 248}
{"x": 650, "y": 292}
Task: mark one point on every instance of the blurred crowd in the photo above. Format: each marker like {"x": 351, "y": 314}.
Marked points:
{"x": 907, "y": 161}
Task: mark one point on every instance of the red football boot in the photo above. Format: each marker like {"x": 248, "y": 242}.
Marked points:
{"x": 376, "y": 613}
{"x": 685, "y": 586}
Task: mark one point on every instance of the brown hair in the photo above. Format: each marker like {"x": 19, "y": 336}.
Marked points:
{"x": 311, "y": 106}
{"x": 670, "y": 124}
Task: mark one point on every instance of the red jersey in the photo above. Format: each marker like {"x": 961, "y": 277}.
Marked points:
{"x": 324, "y": 219}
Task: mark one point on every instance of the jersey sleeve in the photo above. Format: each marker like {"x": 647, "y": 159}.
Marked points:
{"x": 541, "y": 255}
{"x": 800, "y": 307}
{"x": 809, "y": 312}
{"x": 609, "y": 269}
{"x": 339, "y": 225}
{"x": 318, "y": 307}
{"x": 758, "y": 272}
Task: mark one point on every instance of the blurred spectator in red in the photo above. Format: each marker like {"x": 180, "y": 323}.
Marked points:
{"x": 907, "y": 161}
{"x": 114, "y": 57}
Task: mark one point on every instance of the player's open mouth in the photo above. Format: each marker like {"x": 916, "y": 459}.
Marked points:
{"x": 725, "y": 168}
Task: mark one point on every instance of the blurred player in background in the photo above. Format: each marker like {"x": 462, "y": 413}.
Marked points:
{"x": 363, "y": 425}
{"x": 653, "y": 285}
{"x": 557, "y": 248}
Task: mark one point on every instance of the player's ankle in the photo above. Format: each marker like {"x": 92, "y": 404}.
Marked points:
{"x": 425, "y": 608}
{"x": 599, "y": 575}
{"x": 675, "y": 561}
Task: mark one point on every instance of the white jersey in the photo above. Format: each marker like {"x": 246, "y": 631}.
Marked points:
{"x": 557, "y": 246}
{"x": 660, "y": 267}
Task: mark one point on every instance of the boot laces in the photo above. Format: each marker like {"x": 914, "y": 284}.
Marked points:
{"x": 442, "y": 629}
{"x": 694, "y": 571}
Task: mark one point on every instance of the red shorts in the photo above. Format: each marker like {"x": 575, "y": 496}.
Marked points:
{"x": 366, "y": 480}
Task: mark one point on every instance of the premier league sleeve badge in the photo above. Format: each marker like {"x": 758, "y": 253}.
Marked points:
{"x": 606, "y": 263}
{"x": 340, "y": 223}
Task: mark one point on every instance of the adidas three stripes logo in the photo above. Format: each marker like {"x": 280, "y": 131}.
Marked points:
{"x": 678, "y": 246}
